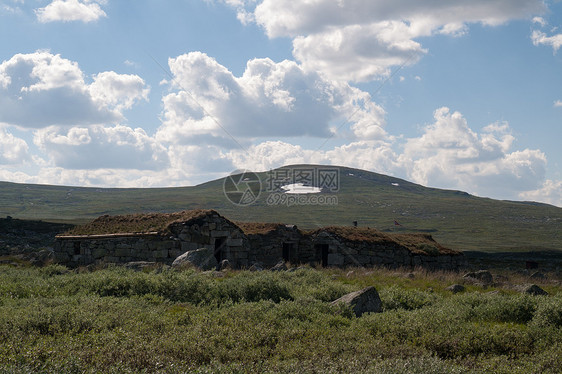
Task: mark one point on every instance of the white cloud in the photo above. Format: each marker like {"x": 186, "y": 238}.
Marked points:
{"x": 42, "y": 89}
{"x": 290, "y": 18}
{"x": 357, "y": 52}
{"x": 360, "y": 40}
{"x": 70, "y": 10}
{"x": 118, "y": 90}
{"x": 13, "y": 150}
{"x": 550, "y": 193}
{"x": 540, "y": 38}
{"x": 558, "y": 103}
{"x": 450, "y": 154}
{"x": 269, "y": 100}
{"x": 98, "y": 147}
{"x": 541, "y": 21}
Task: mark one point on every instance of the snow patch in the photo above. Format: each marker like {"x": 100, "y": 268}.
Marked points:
{"x": 300, "y": 188}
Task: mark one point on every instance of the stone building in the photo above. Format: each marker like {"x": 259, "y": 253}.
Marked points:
{"x": 161, "y": 237}
{"x": 353, "y": 246}
{"x": 157, "y": 237}
{"x": 272, "y": 242}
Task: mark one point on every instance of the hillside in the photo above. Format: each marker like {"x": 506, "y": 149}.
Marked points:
{"x": 454, "y": 218}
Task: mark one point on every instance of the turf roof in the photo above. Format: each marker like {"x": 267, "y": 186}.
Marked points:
{"x": 137, "y": 223}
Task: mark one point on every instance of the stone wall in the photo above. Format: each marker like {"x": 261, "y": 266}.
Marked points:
{"x": 79, "y": 250}
{"x": 268, "y": 248}
{"x": 213, "y": 232}
{"x": 342, "y": 253}
{"x": 228, "y": 242}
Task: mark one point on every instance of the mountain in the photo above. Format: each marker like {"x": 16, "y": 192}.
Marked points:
{"x": 454, "y": 218}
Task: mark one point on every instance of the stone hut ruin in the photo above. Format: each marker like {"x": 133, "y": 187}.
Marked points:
{"x": 354, "y": 246}
{"x": 156, "y": 237}
{"x": 272, "y": 242}
{"x": 162, "y": 237}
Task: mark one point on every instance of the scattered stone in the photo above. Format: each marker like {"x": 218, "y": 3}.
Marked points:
{"x": 202, "y": 258}
{"x": 280, "y": 266}
{"x": 531, "y": 289}
{"x": 366, "y": 300}
{"x": 225, "y": 264}
{"x": 256, "y": 266}
{"x": 483, "y": 276}
{"x": 456, "y": 288}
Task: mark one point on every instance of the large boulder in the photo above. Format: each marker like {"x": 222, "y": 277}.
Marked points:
{"x": 366, "y": 300}
{"x": 532, "y": 289}
{"x": 202, "y": 258}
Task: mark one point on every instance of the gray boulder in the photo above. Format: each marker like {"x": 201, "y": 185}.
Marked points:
{"x": 483, "y": 276}
{"x": 366, "y": 300}
{"x": 456, "y": 288}
{"x": 256, "y": 266}
{"x": 225, "y": 264}
{"x": 280, "y": 266}
{"x": 532, "y": 289}
{"x": 202, "y": 258}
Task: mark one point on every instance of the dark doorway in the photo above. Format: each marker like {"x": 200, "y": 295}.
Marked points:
{"x": 322, "y": 253}
{"x": 288, "y": 252}
{"x": 220, "y": 246}
{"x": 76, "y": 248}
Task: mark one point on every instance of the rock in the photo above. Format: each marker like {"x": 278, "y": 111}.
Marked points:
{"x": 42, "y": 258}
{"x": 202, "y": 258}
{"x": 531, "y": 289}
{"x": 456, "y": 288}
{"x": 256, "y": 266}
{"x": 280, "y": 266}
{"x": 366, "y": 300}
{"x": 538, "y": 275}
{"x": 483, "y": 276}
{"x": 225, "y": 264}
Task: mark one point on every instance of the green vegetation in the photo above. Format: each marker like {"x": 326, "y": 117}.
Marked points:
{"x": 53, "y": 320}
{"x": 455, "y": 219}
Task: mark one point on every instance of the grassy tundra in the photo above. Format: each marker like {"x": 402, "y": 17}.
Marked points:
{"x": 53, "y": 320}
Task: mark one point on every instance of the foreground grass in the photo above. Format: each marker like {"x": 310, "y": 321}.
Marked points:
{"x": 117, "y": 320}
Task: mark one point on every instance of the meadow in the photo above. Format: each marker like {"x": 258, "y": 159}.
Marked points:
{"x": 115, "y": 320}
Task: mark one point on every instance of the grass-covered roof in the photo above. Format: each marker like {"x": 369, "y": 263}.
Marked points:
{"x": 415, "y": 243}
{"x": 137, "y": 223}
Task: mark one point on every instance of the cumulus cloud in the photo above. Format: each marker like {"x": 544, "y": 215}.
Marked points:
{"x": 120, "y": 91}
{"x": 270, "y": 99}
{"x": 99, "y": 147}
{"x": 42, "y": 89}
{"x": 540, "y": 38}
{"x": 359, "y": 40}
{"x": 558, "y": 104}
{"x": 71, "y": 10}
{"x": 450, "y": 154}
{"x": 13, "y": 150}
{"x": 550, "y": 193}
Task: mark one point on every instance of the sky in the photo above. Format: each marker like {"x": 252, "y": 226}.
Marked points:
{"x": 454, "y": 94}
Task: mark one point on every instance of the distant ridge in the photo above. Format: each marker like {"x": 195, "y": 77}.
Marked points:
{"x": 455, "y": 218}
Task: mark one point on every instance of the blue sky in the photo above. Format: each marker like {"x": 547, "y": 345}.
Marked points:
{"x": 461, "y": 94}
